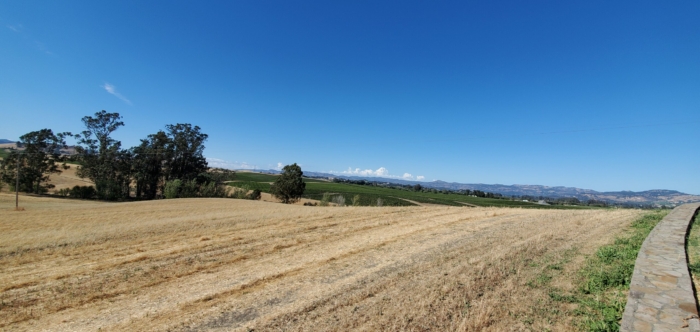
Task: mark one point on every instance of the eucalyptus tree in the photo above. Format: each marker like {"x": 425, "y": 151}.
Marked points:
{"x": 185, "y": 158}
{"x": 149, "y": 159}
{"x": 102, "y": 159}
{"x": 38, "y": 155}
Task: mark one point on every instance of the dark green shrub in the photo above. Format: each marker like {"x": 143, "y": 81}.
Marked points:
{"x": 255, "y": 195}
{"x": 83, "y": 192}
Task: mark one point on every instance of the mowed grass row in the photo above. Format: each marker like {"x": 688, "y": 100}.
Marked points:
{"x": 369, "y": 195}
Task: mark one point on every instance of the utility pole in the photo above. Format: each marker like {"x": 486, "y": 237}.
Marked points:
{"x": 17, "y": 186}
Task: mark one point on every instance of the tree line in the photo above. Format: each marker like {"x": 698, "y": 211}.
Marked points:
{"x": 418, "y": 188}
{"x": 170, "y": 159}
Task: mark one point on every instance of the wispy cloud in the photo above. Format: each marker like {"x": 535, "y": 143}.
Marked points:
{"x": 15, "y": 28}
{"x": 111, "y": 89}
{"x": 379, "y": 172}
{"x": 19, "y": 29}
{"x": 42, "y": 47}
{"x": 220, "y": 163}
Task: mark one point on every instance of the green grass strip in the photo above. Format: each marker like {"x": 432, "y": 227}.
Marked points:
{"x": 605, "y": 278}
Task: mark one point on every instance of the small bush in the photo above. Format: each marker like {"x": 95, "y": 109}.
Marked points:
{"x": 189, "y": 189}
{"x": 172, "y": 188}
{"x": 310, "y": 204}
{"x": 325, "y": 200}
{"x": 356, "y": 200}
{"x": 208, "y": 190}
{"x": 240, "y": 192}
{"x": 255, "y": 195}
{"x": 63, "y": 192}
{"x": 380, "y": 202}
{"x": 339, "y": 200}
{"x": 83, "y": 192}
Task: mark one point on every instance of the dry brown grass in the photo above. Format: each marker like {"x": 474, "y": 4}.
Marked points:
{"x": 67, "y": 179}
{"x": 195, "y": 264}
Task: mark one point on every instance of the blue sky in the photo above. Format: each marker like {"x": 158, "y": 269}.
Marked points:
{"x": 589, "y": 94}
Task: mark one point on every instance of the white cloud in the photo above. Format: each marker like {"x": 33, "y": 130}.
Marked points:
{"x": 379, "y": 172}
{"x": 279, "y": 166}
{"x": 220, "y": 163}
{"x": 111, "y": 89}
{"x": 15, "y": 28}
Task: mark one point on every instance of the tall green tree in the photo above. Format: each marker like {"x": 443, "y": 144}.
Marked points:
{"x": 103, "y": 160}
{"x": 290, "y": 185}
{"x": 185, "y": 159}
{"x": 39, "y": 159}
{"x": 170, "y": 155}
{"x": 149, "y": 159}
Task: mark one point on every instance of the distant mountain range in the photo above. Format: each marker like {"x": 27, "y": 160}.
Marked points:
{"x": 657, "y": 196}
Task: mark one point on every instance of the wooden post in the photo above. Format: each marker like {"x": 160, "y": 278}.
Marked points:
{"x": 17, "y": 185}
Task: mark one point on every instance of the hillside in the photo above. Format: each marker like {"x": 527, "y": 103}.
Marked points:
{"x": 368, "y": 195}
{"x": 656, "y": 196}
{"x": 668, "y": 197}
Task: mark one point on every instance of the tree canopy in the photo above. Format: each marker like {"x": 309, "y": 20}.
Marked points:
{"x": 103, "y": 161}
{"x": 39, "y": 158}
{"x": 290, "y": 185}
{"x": 173, "y": 155}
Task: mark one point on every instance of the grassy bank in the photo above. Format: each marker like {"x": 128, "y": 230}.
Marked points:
{"x": 591, "y": 291}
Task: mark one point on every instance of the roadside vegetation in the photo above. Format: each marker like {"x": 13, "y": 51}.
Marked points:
{"x": 593, "y": 290}
{"x": 693, "y": 251}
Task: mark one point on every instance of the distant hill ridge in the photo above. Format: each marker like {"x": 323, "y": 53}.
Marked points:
{"x": 5, "y": 141}
{"x": 655, "y": 196}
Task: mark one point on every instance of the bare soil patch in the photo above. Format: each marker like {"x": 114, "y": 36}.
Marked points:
{"x": 224, "y": 264}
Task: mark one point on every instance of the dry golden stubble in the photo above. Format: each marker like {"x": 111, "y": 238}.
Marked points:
{"x": 85, "y": 265}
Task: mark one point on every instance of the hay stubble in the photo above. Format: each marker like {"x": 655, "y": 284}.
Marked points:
{"x": 203, "y": 264}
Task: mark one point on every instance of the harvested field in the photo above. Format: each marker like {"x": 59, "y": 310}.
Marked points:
{"x": 223, "y": 264}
